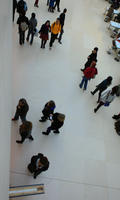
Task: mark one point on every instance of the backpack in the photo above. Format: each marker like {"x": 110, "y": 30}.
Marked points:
{"x": 24, "y": 26}
{"x": 25, "y": 7}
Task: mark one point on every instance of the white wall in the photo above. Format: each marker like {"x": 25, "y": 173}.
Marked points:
{"x": 5, "y": 93}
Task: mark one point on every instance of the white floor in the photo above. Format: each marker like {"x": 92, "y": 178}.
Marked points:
{"x": 85, "y": 156}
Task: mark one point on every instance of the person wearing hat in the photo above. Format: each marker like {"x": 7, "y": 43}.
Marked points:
{"x": 48, "y": 111}
{"x": 102, "y": 86}
{"x": 21, "y": 110}
{"x": 55, "y": 30}
{"x": 91, "y": 57}
{"x": 25, "y": 131}
{"x": 57, "y": 122}
{"x": 39, "y": 163}
{"x": 89, "y": 73}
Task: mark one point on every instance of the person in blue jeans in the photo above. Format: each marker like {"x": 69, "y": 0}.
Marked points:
{"x": 85, "y": 82}
{"x": 89, "y": 73}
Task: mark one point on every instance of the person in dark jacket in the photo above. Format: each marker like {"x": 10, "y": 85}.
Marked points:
{"x": 57, "y": 122}
{"x": 44, "y": 33}
{"x": 62, "y": 22}
{"x": 102, "y": 86}
{"x": 58, "y": 5}
{"x": 25, "y": 131}
{"x": 14, "y": 8}
{"x": 21, "y": 110}
{"x": 22, "y": 7}
{"x": 91, "y": 57}
{"x": 32, "y": 28}
{"x": 39, "y": 163}
{"x": 47, "y": 111}
{"x": 89, "y": 73}
{"x": 23, "y": 23}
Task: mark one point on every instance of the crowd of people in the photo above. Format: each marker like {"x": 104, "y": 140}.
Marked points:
{"x": 39, "y": 162}
{"x": 30, "y": 25}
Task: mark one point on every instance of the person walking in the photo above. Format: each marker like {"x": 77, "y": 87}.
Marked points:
{"x": 21, "y": 110}
{"x": 22, "y": 7}
{"x": 25, "y": 132}
{"x": 106, "y": 98}
{"x": 32, "y": 28}
{"x": 51, "y": 5}
{"x": 36, "y": 3}
{"x": 39, "y": 163}
{"x": 44, "y": 33}
{"x": 14, "y": 8}
{"x": 23, "y": 24}
{"x": 62, "y": 21}
{"x": 57, "y": 4}
{"x": 55, "y": 30}
{"x": 91, "y": 57}
{"x": 57, "y": 122}
{"x": 102, "y": 86}
{"x": 89, "y": 73}
{"x": 48, "y": 111}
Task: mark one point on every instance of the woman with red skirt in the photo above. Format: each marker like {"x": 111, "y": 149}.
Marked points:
{"x": 44, "y": 33}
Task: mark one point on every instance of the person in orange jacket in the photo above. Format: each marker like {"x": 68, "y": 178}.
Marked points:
{"x": 89, "y": 73}
{"x": 55, "y": 30}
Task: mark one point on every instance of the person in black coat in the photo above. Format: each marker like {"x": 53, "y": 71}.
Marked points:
{"x": 25, "y": 131}
{"x": 62, "y": 22}
{"x": 48, "y": 111}
{"x": 23, "y": 23}
{"x": 57, "y": 122}
{"x": 32, "y": 28}
{"x": 14, "y": 8}
{"x": 21, "y": 110}
{"x": 38, "y": 164}
{"x": 57, "y": 3}
{"x": 102, "y": 86}
{"x": 44, "y": 33}
{"x": 91, "y": 57}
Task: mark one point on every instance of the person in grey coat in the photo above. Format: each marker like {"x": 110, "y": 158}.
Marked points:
{"x": 32, "y": 28}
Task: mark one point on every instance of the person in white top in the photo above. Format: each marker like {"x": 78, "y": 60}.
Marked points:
{"x": 106, "y": 98}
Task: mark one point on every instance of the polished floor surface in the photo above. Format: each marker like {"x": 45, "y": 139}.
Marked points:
{"x": 85, "y": 156}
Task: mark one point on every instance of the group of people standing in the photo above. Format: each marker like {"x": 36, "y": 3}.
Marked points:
{"x": 38, "y": 164}
{"x": 30, "y": 25}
